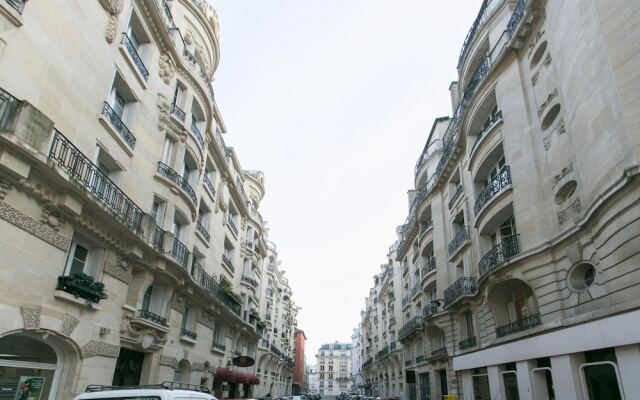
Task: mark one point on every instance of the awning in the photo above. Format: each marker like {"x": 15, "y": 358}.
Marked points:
{"x": 242, "y": 377}
{"x": 225, "y": 375}
{"x": 253, "y": 379}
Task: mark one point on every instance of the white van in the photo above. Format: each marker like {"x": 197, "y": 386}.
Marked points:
{"x": 163, "y": 391}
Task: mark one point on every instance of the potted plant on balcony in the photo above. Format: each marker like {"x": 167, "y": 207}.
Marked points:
{"x": 82, "y": 285}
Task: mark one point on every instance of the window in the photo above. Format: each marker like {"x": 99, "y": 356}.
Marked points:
{"x": 189, "y": 168}
{"x": 146, "y": 299}
{"x": 157, "y": 210}
{"x": 83, "y": 258}
{"x": 167, "y": 151}
{"x": 506, "y": 230}
{"x": 218, "y": 334}
{"x": 494, "y": 170}
{"x": 122, "y": 100}
{"x": 179, "y": 94}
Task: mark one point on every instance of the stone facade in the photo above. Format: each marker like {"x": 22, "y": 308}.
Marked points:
{"x": 130, "y": 234}
{"x": 517, "y": 259}
{"x": 334, "y": 369}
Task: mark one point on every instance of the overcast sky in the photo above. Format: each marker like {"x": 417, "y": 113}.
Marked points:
{"x": 333, "y": 100}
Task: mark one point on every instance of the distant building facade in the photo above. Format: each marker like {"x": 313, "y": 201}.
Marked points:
{"x": 357, "y": 378}
{"x": 334, "y": 368}
{"x": 299, "y": 362}
{"x": 312, "y": 381}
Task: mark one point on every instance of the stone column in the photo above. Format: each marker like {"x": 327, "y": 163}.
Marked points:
{"x": 566, "y": 379}
{"x": 523, "y": 368}
{"x": 467, "y": 384}
{"x": 628, "y": 366}
{"x": 495, "y": 382}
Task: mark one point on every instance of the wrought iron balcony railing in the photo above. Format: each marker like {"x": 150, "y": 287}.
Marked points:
{"x": 519, "y": 325}
{"x": 499, "y": 254}
{"x": 8, "y": 107}
{"x": 458, "y": 240}
{"x": 177, "y": 179}
{"x": 227, "y": 262}
{"x": 413, "y": 324}
{"x": 499, "y": 182}
{"x": 133, "y": 52}
{"x": 177, "y": 111}
{"x": 456, "y": 195}
{"x": 425, "y": 228}
{"x": 17, "y": 5}
{"x": 232, "y": 225}
{"x": 468, "y": 40}
{"x": 158, "y": 238}
{"x": 203, "y": 231}
{"x": 82, "y": 170}
{"x": 416, "y": 289}
{"x": 467, "y": 343}
{"x": 155, "y": 318}
{"x": 497, "y": 117}
{"x": 463, "y": 286}
{"x": 406, "y": 299}
{"x": 187, "y": 333}
{"x": 420, "y": 359}
{"x": 439, "y": 352}
{"x": 213, "y": 287}
{"x": 196, "y": 133}
{"x": 180, "y": 252}
{"x": 429, "y": 310}
{"x": 218, "y": 346}
{"x": 119, "y": 125}
{"x": 83, "y": 286}
{"x": 209, "y": 185}
{"x": 252, "y": 282}
{"x": 428, "y": 266}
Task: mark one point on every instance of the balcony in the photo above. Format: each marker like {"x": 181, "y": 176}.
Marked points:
{"x": 218, "y": 346}
{"x": 439, "y": 352}
{"x": 232, "y": 225}
{"x": 177, "y": 112}
{"x": 500, "y": 254}
{"x": 103, "y": 189}
{"x": 462, "y": 236}
{"x": 406, "y": 300}
{"x": 250, "y": 281}
{"x": 493, "y": 121}
{"x": 392, "y": 346}
{"x": 249, "y": 245}
{"x": 213, "y": 287}
{"x": 158, "y": 238}
{"x": 155, "y": 318}
{"x": 392, "y": 321}
{"x": 429, "y": 310}
{"x": 188, "y": 334}
{"x": 180, "y": 252}
{"x": 420, "y": 359}
{"x": 467, "y": 343}
{"x": 227, "y": 263}
{"x": 178, "y": 180}
{"x": 428, "y": 266}
{"x": 17, "y": 5}
{"x": 83, "y": 286}
{"x": 133, "y": 53}
{"x": 456, "y": 195}
{"x": 519, "y": 325}
{"x": 416, "y": 290}
{"x": 405, "y": 270}
{"x": 120, "y": 127}
{"x": 196, "y": 134}
{"x": 209, "y": 185}
{"x": 499, "y": 182}
{"x": 203, "y": 231}
{"x": 408, "y": 328}
{"x": 463, "y": 286}
{"x": 428, "y": 225}
{"x": 481, "y": 18}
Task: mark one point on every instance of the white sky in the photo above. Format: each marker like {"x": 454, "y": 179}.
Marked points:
{"x": 333, "y": 100}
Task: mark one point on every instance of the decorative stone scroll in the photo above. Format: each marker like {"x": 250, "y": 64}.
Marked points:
{"x": 573, "y": 209}
{"x": 167, "y": 68}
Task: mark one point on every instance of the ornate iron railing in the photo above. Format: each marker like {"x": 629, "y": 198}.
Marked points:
{"x": 8, "y": 106}
{"x": 467, "y": 343}
{"x": 471, "y": 35}
{"x": 499, "y": 182}
{"x": 463, "y": 286}
{"x": 425, "y": 228}
{"x": 429, "y": 310}
{"x": 218, "y": 346}
{"x": 212, "y": 286}
{"x": 203, "y": 231}
{"x": 82, "y": 170}
{"x": 250, "y": 281}
{"x": 227, "y": 262}
{"x": 209, "y": 185}
{"x": 428, "y": 266}
{"x": 406, "y": 299}
{"x": 187, "y": 333}
{"x": 416, "y": 289}
{"x": 196, "y": 133}
{"x": 459, "y": 239}
{"x": 180, "y": 252}
{"x": 232, "y": 224}
{"x": 119, "y": 125}
{"x": 499, "y": 254}
{"x": 17, "y": 5}
{"x": 519, "y": 325}
{"x": 420, "y": 359}
{"x": 155, "y": 318}
{"x": 439, "y": 352}
{"x": 82, "y": 285}
{"x": 158, "y": 238}
{"x": 177, "y": 111}
{"x": 133, "y": 52}
{"x": 173, "y": 176}
{"x": 516, "y": 17}
{"x": 497, "y": 117}
{"x": 456, "y": 195}
{"x": 413, "y": 324}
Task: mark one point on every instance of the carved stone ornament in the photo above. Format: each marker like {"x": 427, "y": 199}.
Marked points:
{"x": 51, "y": 217}
{"x": 31, "y": 315}
{"x": 163, "y": 106}
{"x": 121, "y": 270}
{"x": 95, "y": 348}
{"x": 167, "y": 68}
{"x": 564, "y": 172}
{"x": 114, "y": 8}
{"x": 188, "y": 37}
{"x": 573, "y": 209}
{"x": 36, "y": 228}
{"x": 534, "y": 78}
{"x": 547, "y": 60}
{"x": 5, "y": 188}
{"x": 68, "y": 325}
{"x": 548, "y": 101}
{"x": 535, "y": 41}
{"x": 169, "y": 362}
{"x": 145, "y": 338}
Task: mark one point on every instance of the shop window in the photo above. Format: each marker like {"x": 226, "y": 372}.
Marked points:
{"x": 599, "y": 376}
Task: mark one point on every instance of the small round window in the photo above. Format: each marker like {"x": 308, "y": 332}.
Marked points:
{"x": 582, "y": 276}
{"x": 565, "y": 192}
{"x": 550, "y": 117}
{"x": 537, "y": 56}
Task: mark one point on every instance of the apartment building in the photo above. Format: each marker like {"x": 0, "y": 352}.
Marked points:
{"x": 357, "y": 381}
{"x": 299, "y": 369}
{"x": 334, "y": 368}
{"x": 517, "y": 257}
{"x": 133, "y": 247}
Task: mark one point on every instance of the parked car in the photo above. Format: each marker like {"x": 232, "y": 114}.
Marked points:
{"x": 162, "y": 391}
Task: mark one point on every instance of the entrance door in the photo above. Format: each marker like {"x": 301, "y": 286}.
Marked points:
{"x": 128, "y": 368}
{"x": 442, "y": 375}
{"x": 425, "y": 387}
